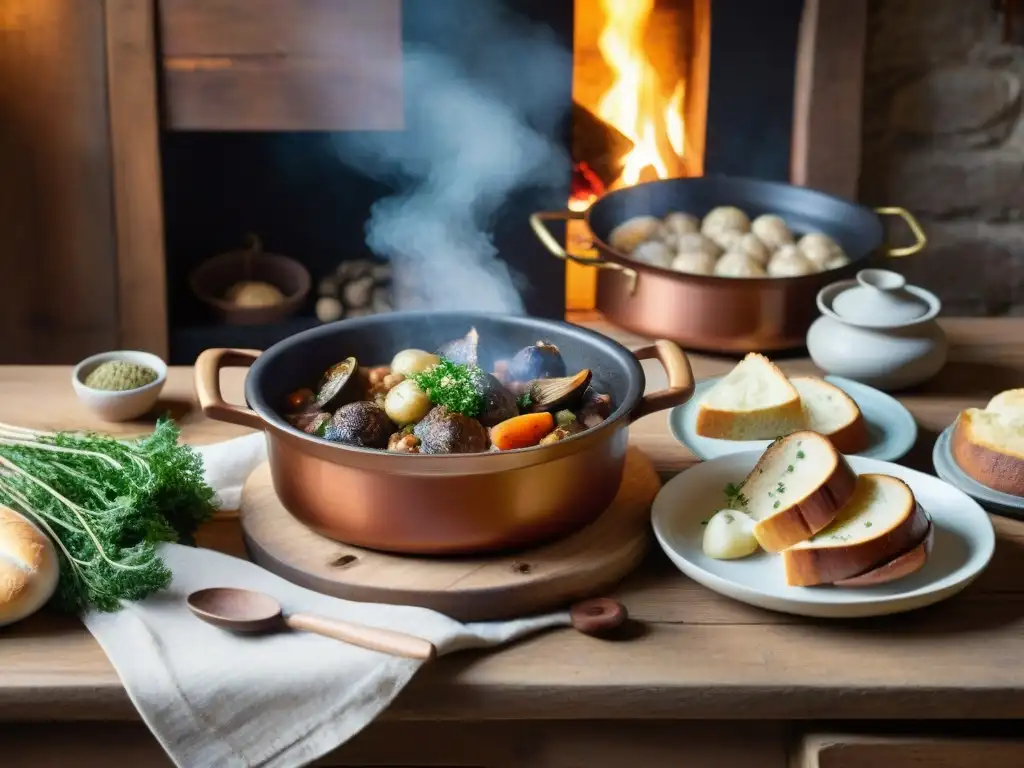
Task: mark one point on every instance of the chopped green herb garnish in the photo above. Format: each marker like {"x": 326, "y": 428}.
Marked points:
{"x": 524, "y": 401}
{"x": 776, "y": 505}
{"x": 781, "y": 488}
{"x": 801, "y": 455}
{"x": 733, "y": 496}
{"x": 790, "y": 468}
{"x": 729, "y": 519}
{"x": 867, "y": 523}
{"x": 460, "y": 388}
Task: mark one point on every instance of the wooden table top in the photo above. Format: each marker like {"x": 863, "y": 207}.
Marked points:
{"x": 698, "y": 655}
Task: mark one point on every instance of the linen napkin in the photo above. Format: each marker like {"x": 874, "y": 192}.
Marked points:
{"x": 213, "y": 698}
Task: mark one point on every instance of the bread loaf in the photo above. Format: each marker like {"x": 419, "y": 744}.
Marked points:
{"x": 880, "y": 522}
{"x": 28, "y": 567}
{"x": 796, "y": 489}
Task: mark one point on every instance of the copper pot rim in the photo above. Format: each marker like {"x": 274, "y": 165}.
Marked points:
{"x": 260, "y": 415}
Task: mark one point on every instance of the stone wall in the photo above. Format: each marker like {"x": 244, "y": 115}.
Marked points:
{"x": 943, "y": 137}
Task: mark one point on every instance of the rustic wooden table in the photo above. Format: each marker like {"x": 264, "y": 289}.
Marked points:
{"x": 777, "y": 687}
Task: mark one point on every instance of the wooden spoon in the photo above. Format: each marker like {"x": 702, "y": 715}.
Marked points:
{"x": 242, "y": 610}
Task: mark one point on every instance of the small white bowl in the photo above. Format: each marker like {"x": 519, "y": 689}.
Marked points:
{"x": 119, "y": 406}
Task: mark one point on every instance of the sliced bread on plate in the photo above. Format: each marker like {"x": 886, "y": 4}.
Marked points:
{"x": 909, "y": 562}
{"x": 754, "y": 401}
{"x": 878, "y": 524}
{"x": 1009, "y": 404}
{"x": 989, "y": 446}
{"x": 833, "y": 413}
{"x": 796, "y": 489}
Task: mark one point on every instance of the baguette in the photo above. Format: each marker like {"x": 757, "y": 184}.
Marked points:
{"x": 833, "y": 413}
{"x": 796, "y": 489}
{"x": 28, "y": 567}
{"x": 754, "y": 401}
{"x": 989, "y": 447}
{"x": 879, "y": 523}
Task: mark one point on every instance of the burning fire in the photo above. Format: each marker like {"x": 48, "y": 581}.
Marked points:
{"x": 635, "y": 103}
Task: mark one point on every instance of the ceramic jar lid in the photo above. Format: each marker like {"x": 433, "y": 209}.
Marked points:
{"x": 878, "y": 298}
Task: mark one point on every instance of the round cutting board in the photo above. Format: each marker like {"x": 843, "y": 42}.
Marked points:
{"x": 485, "y": 588}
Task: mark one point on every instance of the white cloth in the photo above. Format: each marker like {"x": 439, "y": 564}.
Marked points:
{"x": 213, "y": 698}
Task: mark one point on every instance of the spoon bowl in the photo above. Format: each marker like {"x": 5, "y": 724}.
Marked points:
{"x": 237, "y": 610}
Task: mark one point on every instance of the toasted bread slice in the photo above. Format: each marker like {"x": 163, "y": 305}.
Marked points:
{"x": 797, "y": 488}
{"x": 989, "y": 446}
{"x": 754, "y": 401}
{"x": 1009, "y": 404}
{"x": 881, "y": 521}
{"x": 833, "y": 413}
{"x": 900, "y": 566}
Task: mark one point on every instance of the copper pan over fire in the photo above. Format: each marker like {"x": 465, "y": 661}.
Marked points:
{"x": 720, "y": 314}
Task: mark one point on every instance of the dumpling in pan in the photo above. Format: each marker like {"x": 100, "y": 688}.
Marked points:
{"x": 694, "y": 263}
{"x": 725, "y": 218}
{"x": 818, "y": 248}
{"x": 630, "y": 233}
{"x": 736, "y": 264}
{"x": 788, "y": 261}
{"x": 772, "y": 231}
{"x": 653, "y": 252}
{"x": 696, "y": 242}
{"x": 682, "y": 224}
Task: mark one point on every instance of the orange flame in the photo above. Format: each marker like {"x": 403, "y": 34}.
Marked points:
{"x": 634, "y": 104}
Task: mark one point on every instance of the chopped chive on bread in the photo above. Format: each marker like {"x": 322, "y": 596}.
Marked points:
{"x": 754, "y": 401}
{"x": 796, "y": 489}
{"x": 988, "y": 445}
{"x": 879, "y": 523}
{"x": 831, "y": 412}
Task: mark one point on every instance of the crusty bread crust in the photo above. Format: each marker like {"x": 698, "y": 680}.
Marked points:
{"x": 810, "y": 566}
{"x": 723, "y": 424}
{"x": 804, "y": 517}
{"x": 28, "y": 567}
{"x": 899, "y": 567}
{"x": 986, "y": 463}
{"x": 852, "y": 437}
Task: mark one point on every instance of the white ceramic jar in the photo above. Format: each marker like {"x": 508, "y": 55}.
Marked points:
{"x": 879, "y": 331}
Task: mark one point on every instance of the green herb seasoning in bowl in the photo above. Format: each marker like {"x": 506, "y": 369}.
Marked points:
{"x": 120, "y": 386}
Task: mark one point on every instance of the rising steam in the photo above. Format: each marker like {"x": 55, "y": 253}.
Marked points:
{"x": 478, "y": 117}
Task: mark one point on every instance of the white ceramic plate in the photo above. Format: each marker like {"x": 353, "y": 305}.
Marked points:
{"x": 947, "y": 468}
{"x": 891, "y": 429}
{"x": 963, "y": 545}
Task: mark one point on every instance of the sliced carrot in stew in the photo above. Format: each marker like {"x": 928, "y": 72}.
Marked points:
{"x": 521, "y": 431}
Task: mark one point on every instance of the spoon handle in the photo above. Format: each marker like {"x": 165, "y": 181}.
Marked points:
{"x": 373, "y": 638}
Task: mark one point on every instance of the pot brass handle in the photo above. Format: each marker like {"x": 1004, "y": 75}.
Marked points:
{"x": 680, "y": 378}
{"x": 544, "y": 235}
{"x": 207, "y": 381}
{"x": 921, "y": 240}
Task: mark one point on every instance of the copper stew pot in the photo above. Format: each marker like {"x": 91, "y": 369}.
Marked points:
{"x": 720, "y": 314}
{"x": 447, "y": 504}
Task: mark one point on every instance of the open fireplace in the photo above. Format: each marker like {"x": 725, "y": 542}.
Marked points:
{"x": 396, "y": 148}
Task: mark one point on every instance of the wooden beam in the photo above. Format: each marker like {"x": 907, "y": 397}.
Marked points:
{"x": 829, "y": 91}
{"x": 285, "y": 65}
{"x": 138, "y": 204}
{"x": 57, "y": 295}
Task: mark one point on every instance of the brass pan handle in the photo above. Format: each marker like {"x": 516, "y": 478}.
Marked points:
{"x": 207, "y": 382}
{"x": 680, "y": 378}
{"x": 544, "y": 235}
{"x": 921, "y": 240}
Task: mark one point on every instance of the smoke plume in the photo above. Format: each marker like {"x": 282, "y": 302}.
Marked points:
{"x": 479, "y": 114}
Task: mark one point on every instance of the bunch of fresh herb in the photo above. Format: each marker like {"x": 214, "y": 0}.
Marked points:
{"x": 460, "y": 388}
{"x": 106, "y": 504}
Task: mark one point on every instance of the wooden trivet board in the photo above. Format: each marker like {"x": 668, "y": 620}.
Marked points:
{"x": 469, "y": 589}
